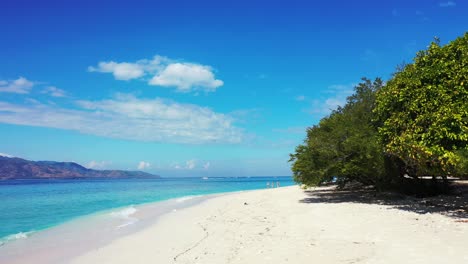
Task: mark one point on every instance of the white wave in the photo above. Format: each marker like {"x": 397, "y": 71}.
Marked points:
{"x": 12, "y": 237}
{"x": 125, "y": 212}
{"x": 186, "y": 198}
{"x": 126, "y": 215}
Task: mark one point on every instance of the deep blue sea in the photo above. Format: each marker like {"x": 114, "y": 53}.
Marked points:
{"x": 32, "y": 205}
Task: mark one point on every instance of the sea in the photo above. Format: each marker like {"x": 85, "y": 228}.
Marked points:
{"x": 28, "y": 207}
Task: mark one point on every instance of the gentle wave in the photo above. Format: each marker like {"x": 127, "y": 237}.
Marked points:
{"x": 126, "y": 214}
{"x": 20, "y": 235}
{"x": 186, "y": 198}
{"x": 115, "y": 196}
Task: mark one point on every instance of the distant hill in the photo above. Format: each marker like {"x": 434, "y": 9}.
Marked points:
{"x": 16, "y": 168}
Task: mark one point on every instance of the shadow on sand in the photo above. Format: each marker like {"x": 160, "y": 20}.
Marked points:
{"x": 454, "y": 205}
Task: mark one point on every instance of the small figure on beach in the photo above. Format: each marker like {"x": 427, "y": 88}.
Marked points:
{"x": 277, "y": 184}
{"x": 268, "y": 185}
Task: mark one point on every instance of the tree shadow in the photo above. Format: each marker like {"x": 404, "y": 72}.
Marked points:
{"x": 454, "y": 205}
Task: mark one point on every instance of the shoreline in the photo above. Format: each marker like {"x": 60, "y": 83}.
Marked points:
{"x": 76, "y": 236}
{"x": 39, "y": 215}
{"x": 281, "y": 225}
{"x": 289, "y": 225}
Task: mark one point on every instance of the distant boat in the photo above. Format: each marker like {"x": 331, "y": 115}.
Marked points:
{"x": 204, "y": 178}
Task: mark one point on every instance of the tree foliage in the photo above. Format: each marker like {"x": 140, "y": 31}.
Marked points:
{"x": 423, "y": 111}
{"x": 339, "y": 146}
{"x": 415, "y": 124}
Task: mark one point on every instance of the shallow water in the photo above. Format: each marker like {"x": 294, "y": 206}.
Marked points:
{"x": 63, "y": 242}
{"x": 32, "y": 205}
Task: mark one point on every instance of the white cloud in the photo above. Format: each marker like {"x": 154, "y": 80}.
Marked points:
{"x": 337, "y": 97}
{"x": 98, "y": 164}
{"x": 20, "y": 86}
{"x": 54, "y": 91}
{"x": 127, "y": 117}
{"x": 143, "y": 165}
{"x": 121, "y": 71}
{"x": 185, "y": 77}
{"x": 447, "y": 4}
{"x": 206, "y": 165}
{"x": 6, "y": 155}
{"x": 333, "y": 103}
{"x": 190, "y": 164}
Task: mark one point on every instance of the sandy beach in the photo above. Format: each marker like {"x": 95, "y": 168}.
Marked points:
{"x": 289, "y": 225}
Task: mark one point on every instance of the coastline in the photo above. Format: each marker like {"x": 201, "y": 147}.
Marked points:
{"x": 284, "y": 225}
{"x": 59, "y": 243}
{"x": 60, "y": 201}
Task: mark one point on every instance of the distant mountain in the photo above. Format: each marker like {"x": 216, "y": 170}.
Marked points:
{"x": 16, "y": 168}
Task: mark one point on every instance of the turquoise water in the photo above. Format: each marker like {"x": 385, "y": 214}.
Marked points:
{"x": 32, "y": 205}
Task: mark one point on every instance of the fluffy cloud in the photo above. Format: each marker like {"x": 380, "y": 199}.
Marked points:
{"x": 165, "y": 72}
{"x": 54, "y": 91}
{"x": 20, "y": 86}
{"x": 186, "y": 76}
{"x": 143, "y": 165}
{"x": 121, "y": 71}
{"x": 127, "y": 117}
{"x": 190, "y": 164}
{"x": 447, "y": 4}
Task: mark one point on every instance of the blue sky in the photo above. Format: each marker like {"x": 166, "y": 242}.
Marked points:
{"x": 194, "y": 88}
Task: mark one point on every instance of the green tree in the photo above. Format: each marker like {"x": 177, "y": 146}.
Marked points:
{"x": 422, "y": 112}
{"x": 344, "y": 145}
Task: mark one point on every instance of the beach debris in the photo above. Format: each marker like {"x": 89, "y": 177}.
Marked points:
{"x": 245, "y": 203}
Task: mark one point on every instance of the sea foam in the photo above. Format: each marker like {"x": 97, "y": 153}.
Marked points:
{"x": 12, "y": 237}
{"x": 187, "y": 198}
{"x": 126, "y": 215}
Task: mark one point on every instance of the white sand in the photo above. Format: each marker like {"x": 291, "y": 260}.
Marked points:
{"x": 274, "y": 227}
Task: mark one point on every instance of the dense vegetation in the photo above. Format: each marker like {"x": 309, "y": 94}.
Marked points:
{"x": 387, "y": 134}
